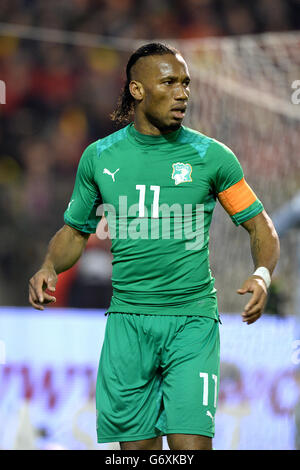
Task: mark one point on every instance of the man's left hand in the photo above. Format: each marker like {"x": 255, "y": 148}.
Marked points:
{"x": 254, "y": 308}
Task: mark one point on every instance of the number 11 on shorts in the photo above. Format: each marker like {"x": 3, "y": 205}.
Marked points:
{"x": 204, "y": 376}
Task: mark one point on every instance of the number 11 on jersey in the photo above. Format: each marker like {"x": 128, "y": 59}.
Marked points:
{"x": 155, "y": 206}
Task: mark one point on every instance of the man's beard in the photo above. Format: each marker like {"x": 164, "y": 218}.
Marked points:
{"x": 164, "y": 128}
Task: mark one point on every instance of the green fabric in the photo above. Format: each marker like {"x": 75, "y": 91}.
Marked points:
{"x": 157, "y": 375}
{"x": 163, "y": 266}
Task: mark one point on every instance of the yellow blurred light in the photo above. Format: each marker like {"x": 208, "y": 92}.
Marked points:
{"x": 103, "y": 60}
{"x": 8, "y": 45}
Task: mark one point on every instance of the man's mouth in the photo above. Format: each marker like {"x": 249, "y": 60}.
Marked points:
{"x": 179, "y": 111}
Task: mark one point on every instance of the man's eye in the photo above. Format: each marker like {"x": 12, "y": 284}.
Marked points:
{"x": 168, "y": 82}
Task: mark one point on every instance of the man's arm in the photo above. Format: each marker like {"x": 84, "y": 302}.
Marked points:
{"x": 64, "y": 249}
{"x": 265, "y": 250}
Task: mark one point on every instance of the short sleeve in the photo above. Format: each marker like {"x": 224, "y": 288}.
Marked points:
{"x": 85, "y": 199}
{"x": 230, "y": 186}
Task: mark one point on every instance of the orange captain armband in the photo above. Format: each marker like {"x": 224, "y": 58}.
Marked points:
{"x": 237, "y": 198}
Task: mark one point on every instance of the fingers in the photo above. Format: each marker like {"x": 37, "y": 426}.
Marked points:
{"x": 252, "y": 315}
{"x": 51, "y": 282}
{"x": 36, "y": 296}
{"x": 35, "y": 302}
{"x": 37, "y": 285}
{"x": 242, "y": 291}
{"x": 33, "y": 299}
{"x": 253, "y": 302}
{"x": 254, "y": 308}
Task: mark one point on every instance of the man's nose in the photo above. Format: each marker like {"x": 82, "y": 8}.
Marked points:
{"x": 181, "y": 93}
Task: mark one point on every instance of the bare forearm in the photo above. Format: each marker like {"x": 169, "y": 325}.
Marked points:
{"x": 64, "y": 249}
{"x": 265, "y": 251}
{"x": 265, "y": 248}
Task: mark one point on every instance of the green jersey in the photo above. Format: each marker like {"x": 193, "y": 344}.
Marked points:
{"x": 158, "y": 194}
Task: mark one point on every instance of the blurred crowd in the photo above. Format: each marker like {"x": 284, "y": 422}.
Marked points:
{"x": 155, "y": 18}
{"x": 58, "y": 100}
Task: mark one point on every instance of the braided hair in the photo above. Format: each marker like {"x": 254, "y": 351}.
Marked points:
{"x": 125, "y": 103}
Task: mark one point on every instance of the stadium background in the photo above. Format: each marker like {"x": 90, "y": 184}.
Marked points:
{"x": 60, "y": 90}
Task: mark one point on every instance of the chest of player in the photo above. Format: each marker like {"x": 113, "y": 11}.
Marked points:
{"x": 150, "y": 177}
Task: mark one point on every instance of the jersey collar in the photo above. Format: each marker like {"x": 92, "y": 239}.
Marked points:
{"x": 152, "y": 139}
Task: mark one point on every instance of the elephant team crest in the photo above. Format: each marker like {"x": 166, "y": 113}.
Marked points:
{"x": 181, "y": 172}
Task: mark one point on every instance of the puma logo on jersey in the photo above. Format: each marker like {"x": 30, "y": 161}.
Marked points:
{"x": 107, "y": 172}
{"x": 208, "y": 413}
{"x": 181, "y": 172}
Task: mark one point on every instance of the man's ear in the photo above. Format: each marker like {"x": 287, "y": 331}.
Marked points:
{"x": 136, "y": 89}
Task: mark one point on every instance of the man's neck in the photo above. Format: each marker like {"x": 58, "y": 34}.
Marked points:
{"x": 145, "y": 127}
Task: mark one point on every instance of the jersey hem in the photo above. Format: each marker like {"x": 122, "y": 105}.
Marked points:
{"x": 172, "y": 314}
{"x": 77, "y": 226}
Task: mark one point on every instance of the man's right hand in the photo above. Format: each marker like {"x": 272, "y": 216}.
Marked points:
{"x": 45, "y": 278}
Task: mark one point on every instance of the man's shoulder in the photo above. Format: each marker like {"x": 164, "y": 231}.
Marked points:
{"x": 106, "y": 142}
{"x": 195, "y": 137}
{"x": 203, "y": 143}
{"x": 97, "y": 147}
{"x": 192, "y": 135}
{"x": 94, "y": 150}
